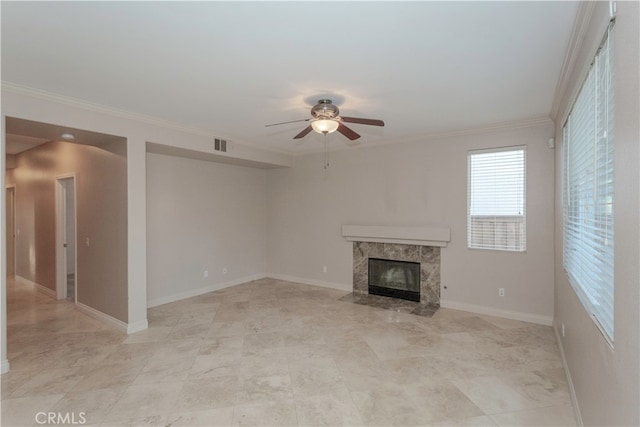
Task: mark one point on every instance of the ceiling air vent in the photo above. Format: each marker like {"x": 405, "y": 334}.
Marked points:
{"x": 221, "y": 145}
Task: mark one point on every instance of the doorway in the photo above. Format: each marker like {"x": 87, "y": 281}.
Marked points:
{"x": 66, "y": 271}
{"x": 11, "y": 233}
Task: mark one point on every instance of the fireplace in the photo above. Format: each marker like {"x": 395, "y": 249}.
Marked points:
{"x": 427, "y": 259}
{"x": 397, "y": 279}
{"x": 414, "y": 244}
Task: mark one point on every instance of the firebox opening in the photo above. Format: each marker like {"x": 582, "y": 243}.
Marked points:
{"x": 397, "y": 279}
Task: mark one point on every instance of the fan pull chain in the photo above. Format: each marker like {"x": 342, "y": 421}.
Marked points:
{"x": 326, "y": 155}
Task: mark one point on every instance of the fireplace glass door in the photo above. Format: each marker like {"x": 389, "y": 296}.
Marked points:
{"x": 398, "y": 279}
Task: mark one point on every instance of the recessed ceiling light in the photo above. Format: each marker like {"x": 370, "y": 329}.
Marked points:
{"x": 68, "y": 136}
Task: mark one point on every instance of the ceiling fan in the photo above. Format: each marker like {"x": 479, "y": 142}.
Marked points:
{"x": 325, "y": 118}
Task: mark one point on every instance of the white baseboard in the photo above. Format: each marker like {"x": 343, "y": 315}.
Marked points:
{"x": 132, "y": 328}
{"x": 96, "y": 314}
{"x": 567, "y": 373}
{"x": 92, "y": 312}
{"x": 195, "y": 292}
{"x": 340, "y": 286}
{"x": 4, "y": 366}
{"x": 490, "y": 311}
{"x": 48, "y": 292}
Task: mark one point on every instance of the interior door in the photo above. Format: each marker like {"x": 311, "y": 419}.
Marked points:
{"x": 66, "y": 278}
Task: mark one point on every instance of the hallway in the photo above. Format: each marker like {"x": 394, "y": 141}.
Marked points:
{"x": 50, "y": 344}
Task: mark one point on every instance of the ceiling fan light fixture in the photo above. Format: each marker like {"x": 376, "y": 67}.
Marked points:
{"x": 325, "y": 118}
{"x": 325, "y": 125}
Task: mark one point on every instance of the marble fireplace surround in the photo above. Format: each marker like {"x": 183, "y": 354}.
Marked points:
{"x": 413, "y": 244}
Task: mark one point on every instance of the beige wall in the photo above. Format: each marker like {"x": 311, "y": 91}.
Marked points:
{"x": 101, "y": 181}
{"x": 422, "y": 183}
{"x": 10, "y": 161}
{"x": 606, "y": 382}
{"x": 202, "y": 216}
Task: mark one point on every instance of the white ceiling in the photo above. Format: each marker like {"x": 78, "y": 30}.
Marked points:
{"x": 230, "y": 68}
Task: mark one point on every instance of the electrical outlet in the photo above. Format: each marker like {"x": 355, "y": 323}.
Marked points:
{"x": 324, "y": 268}
{"x": 224, "y": 270}
{"x": 500, "y": 292}
{"x": 205, "y": 274}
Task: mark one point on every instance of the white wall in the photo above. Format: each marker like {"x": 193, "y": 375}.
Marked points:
{"x": 606, "y": 382}
{"x": 422, "y": 183}
{"x": 202, "y": 216}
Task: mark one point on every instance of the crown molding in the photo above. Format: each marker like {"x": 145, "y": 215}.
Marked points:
{"x": 167, "y": 124}
{"x": 492, "y": 128}
{"x": 99, "y": 108}
{"x": 580, "y": 27}
{"x": 122, "y": 114}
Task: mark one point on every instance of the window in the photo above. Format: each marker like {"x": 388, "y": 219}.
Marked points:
{"x": 588, "y": 205}
{"x": 496, "y": 199}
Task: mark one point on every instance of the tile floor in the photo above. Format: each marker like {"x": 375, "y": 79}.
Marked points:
{"x": 278, "y": 353}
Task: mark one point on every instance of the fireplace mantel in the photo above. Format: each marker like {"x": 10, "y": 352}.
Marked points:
{"x": 424, "y": 236}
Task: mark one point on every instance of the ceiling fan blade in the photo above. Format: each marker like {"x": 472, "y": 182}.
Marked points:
{"x": 372, "y": 122}
{"x": 347, "y": 132}
{"x": 304, "y": 132}
{"x": 284, "y": 123}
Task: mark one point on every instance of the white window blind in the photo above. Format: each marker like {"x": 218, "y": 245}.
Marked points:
{"x": 588, "y": 203}
{"x": 496, "y": 199}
